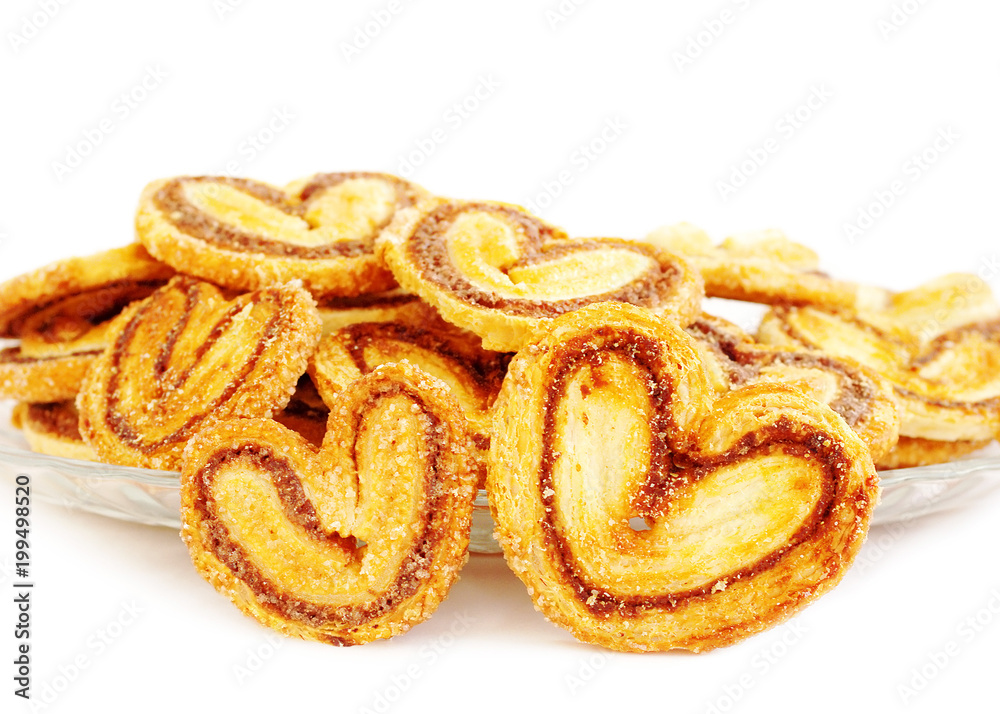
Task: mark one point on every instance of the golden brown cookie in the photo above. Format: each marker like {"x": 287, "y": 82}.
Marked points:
{"x": 53, "y": 429}
{"x": 910, "y": 452}
{"x": 391, "y": 306}
{"x": 860, "y": 395}
{"x": 456, "y": 358}
{"x": 497, "y": 271}
{"x": 186, "y": 358}
{"x": 42, "y": 379}
{"x": 61, "y": 301}
{"x": 357, "y": 541}
{"x": 643, "y": 512}
{"x": 763, "y": 267}
{"x": 940, "y": 305}
{"x": 246, "y": 234}
{"x": 945, "y": 390}
{"x": 61, "y": 314}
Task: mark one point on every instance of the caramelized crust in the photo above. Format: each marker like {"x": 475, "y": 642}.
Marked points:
{"x": 246, "y": 235}
{"x": 186, "y": 358}
{"x": 456, "y": 358}
{"x": 62, "y": 313}
{"x": 499, "y": 272}
{"x": 643, "y": 512}
{"x": 763, "y": 267}
{"x": 42, "y": 379}
{"x": 859, "y": 394}
{"x": 355, "y": 542}
{"x": 911, "y": 452}
{"x": 53, "y": 429}
{"x": 947, "y": 390}
{"x": 391, "y": 306}
{"x": 58, "y": 302}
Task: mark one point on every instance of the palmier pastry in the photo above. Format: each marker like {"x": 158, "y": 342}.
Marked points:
{"x": 763, "y": 267}
{"x": 946, "y": 390}
{"x": 911, "y": 451}
{"x": 41, "y": 379}
{"x": 499, "y": 272}
{"x": 860, "y": 395}
{"x": 456, "y": 358}
{"x": 53, "y": 429}
{"x": 642, "y": 512}
{"x": 245, "y": 234}
{"x": 186, "y": 358}
{"x": 59, "y": 301}
{"x": 390, "y": 306}
{"x": 355, "y": 542}
{"x": 943, "y": 304}
{"x": 61, "y": 314}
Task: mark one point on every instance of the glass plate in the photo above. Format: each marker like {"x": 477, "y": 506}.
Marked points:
{"x": 153, "y": 497}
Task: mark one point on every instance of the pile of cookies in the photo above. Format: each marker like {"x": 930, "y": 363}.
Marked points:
{"x": 337, "y": 367}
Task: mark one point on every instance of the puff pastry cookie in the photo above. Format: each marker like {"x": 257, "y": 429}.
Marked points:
{"x": 390, "y": 306}
{"x": 859, "y": 394}
{"x": 749, "y": 505}
{"x": 61, "y": 313}
{"x": 456, "y": 358}
{"x": 499, "y": 272}
{"x": 245, "y": 234}
{"x": 186, "y": 358}
{"x": 763, "y": 267}
{"x": 357, "y": 541}
{"x": 947, "y": 390}
{"x": 53, "y": 429}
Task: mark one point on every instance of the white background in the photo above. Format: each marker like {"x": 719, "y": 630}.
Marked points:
{"x": 283, "y": 75}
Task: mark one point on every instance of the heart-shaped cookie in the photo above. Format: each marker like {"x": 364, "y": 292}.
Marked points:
{"x": 645, "y": 514}
{"x": 947, "y": 390}
{"x": 859, "y": 394}
{"x": 186, "y": 358}
{"x": 62, "y": 312}
{"x": 763, "y": 267}
{"x": 355, "y": 542}
{"x": 499, "y": 272}
{"x": 53, "y": 429}
{"x": 245, "y": 234}
{"x": 455, "y": 357}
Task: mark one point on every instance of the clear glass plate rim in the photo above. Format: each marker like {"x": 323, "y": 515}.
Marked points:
{"x": 171, "y": 479}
